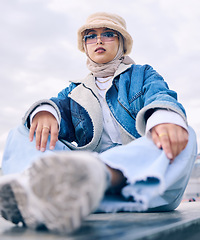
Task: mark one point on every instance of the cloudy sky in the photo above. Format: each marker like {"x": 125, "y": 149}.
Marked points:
{"x": 39, "y": 55}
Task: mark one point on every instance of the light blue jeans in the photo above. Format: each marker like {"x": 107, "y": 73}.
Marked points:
{"x": 152, "y": 183}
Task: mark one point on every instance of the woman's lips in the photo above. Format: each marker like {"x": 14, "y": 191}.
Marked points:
{"x": 100, "y": 50}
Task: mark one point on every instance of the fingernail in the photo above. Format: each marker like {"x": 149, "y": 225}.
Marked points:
{"x": 51, "y": 148}
{"x": 42, "y": 149}
{"x": 169, "y": 155}
{"x": 38, "y": 148}
{"x": 158, "y": 145}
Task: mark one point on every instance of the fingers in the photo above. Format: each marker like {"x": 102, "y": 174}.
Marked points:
{"x": 54, "y": 136}
{"x": 171, "y": 138}
{"x": 166, "y": 145}
{"x": 162, "y": 141}
{"x": 156, "y": 138}
{"x": 32, "y": 131}
{"x": 42, "y": 136}
{"x": 42, "y": 126}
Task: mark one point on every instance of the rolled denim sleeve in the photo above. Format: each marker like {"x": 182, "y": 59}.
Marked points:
{"x": 156, "y": 95}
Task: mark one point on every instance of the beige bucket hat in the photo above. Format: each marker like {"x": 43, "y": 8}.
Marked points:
{"x": 108, "y": 20}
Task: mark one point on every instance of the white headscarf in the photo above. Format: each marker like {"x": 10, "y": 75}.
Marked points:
{"x": 108, "y": 69}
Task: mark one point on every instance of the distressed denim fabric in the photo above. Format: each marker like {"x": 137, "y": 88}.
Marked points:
{"x": 152, "y": 183}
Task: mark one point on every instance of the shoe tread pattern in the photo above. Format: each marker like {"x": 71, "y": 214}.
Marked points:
{"x": 9, "y": 207}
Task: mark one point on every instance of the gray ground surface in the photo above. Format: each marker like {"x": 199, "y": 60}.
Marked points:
{"x": 183, "y": 223}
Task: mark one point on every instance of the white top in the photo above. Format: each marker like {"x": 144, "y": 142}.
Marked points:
{"x": 111, "y": 129}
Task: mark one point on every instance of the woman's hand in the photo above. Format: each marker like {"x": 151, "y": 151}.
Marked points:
{"x": 171, "y": 138}
{"x": 43, "y": 124}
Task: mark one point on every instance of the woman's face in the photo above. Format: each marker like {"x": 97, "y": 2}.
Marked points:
{"x": 104, "y": 49}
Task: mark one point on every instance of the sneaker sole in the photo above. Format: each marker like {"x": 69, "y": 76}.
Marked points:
{"x": 9, "y": 209}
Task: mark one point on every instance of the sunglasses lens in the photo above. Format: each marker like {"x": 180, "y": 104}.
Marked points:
{"x": 108, "y": 36}
{"x": 91, "y": 38}
{"x": 105, "y": 37}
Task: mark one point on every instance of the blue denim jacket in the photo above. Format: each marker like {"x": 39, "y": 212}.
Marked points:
{"x": 136, "y": 92}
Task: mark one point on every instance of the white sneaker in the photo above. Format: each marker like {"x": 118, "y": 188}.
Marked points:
{"x": 58, "y": 192}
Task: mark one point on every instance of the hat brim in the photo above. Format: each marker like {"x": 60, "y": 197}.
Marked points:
{"x": 128, "y": 41}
